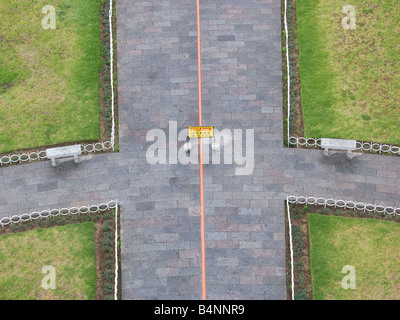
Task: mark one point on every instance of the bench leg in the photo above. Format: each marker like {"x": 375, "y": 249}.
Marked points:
{"x": 53, "y": 162}
{"x": 348, "y": 155}
{"x": 326, "y": 153}
{"x": 76, "y": 159}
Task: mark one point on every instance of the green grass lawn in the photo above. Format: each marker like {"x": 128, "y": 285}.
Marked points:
{"x": 370, "y": 246}
{"x": 349, "y": 78}
{"x": 49, "y": 79}
{"x": 69, "y": 249}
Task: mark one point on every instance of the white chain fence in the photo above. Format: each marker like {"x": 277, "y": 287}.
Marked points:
{"x": 344, "y": 204}
{"x": 47, "y": 213}
{"x": 41, "y": 154}
{"x": 361, "y": 146}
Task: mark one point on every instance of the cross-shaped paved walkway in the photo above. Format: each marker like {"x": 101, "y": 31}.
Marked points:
{"x": 160, "y": 206}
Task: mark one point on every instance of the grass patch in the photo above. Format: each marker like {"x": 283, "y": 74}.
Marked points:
{"x": 327, "y": 239}
{"x": 370, "y": 246}
{"x": 69, "y": 249}
{"x": 49, "y": 79}
{"x": 102, "y": 244}
{"x": 349, "y": 82}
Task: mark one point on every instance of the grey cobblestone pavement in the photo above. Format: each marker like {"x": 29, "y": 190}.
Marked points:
{"x": 160, "y": 204}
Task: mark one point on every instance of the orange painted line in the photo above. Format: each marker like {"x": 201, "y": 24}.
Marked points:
{"x": 203, "y": 244}
{"x": 199, "y": 61}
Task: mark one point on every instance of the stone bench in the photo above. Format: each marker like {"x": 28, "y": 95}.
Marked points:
{"x": 338, "y": 144}
{"x": 61, "y": 152}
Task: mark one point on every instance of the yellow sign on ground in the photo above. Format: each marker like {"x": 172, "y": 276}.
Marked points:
{"x": 201, "y": 132}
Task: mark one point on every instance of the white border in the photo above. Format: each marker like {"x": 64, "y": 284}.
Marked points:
{"x": 291, "y": 245}
{"x": 116, "y": 253}
{"x": 288, "y": 72}
{"x": 345, "y": 204}
{"x": 110, "y": 14}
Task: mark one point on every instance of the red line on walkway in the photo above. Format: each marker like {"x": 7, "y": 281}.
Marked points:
{"x": 203, "y": 246}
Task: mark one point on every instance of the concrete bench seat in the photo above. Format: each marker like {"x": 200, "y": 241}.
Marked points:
{"x": 338, "y": 144}
{"x": 62, "y": 152}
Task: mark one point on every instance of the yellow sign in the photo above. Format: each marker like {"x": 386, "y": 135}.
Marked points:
{"x": 201, "y": 132}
